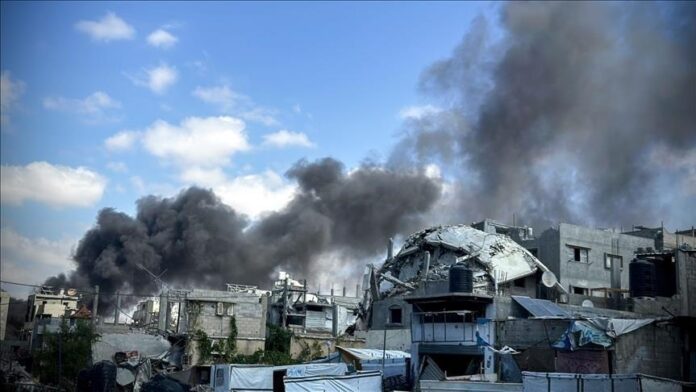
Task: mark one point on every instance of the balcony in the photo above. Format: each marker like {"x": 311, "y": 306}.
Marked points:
{"x": 452, "y": 326}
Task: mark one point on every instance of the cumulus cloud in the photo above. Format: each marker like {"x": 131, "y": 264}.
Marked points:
{"x": 94, "y": 107}
{"x": 122, "y": 141}
{"x": 196, "y": 141}
{"x": 157, "y": 79}
{"x": 285, "y": 138}
{"x": 418, "y": 112}
{"x": 108, "y": 28}
{"x": 54, "y": 185}
{"x": 10, "y": 92}
{"x": 161, "y": 38}
{"x": 230, "y": 101}
{"x": 221, "y": 96}
{"x": 251, "y": 194}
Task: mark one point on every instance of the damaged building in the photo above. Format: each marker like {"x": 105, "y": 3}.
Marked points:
{"x": 315, "y": 319}
{"x": 471, "y": 304}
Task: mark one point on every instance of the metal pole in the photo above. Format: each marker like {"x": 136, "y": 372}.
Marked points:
{"x": 95, "y": 305}
{"x": 384, "y": 349}
{"x": 118, "y": 308}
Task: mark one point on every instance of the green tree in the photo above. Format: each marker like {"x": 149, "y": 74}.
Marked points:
{"x": 66, "y": 352}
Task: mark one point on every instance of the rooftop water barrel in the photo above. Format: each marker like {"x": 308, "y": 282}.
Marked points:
{"x": 461, "y": 279}
{"x": 641, "y": 278}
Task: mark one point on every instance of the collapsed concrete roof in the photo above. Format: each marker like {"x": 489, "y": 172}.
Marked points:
{"x": 495, "y": 258}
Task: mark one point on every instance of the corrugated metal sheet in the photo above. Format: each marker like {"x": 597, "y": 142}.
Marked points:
{"x": 541, "y": 307}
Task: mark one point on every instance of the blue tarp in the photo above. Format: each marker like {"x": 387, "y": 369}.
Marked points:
{"x": 581, "y": 333}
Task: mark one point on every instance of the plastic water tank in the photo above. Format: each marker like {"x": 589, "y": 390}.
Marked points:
{"x": 641, "y": 275}
{"x": 461, "y": 279}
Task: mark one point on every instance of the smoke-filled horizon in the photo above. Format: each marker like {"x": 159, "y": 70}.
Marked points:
{"x": 579, "y": 112}
{"x": 196, "y": 240}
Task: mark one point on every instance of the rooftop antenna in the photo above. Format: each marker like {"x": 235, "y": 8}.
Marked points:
{"x": 156, "y": 278}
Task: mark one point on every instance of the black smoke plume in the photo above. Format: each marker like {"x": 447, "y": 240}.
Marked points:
{"x": 194, "y": 240}
{"x": 582, "y": 112}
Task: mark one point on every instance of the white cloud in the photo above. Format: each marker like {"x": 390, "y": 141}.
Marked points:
{"x": 31, "y": 260}
{"x": 55, "y": 185}
{"x": 285, "y": 138}
{"x": 157, "y": 79}
{"x": 252, "y": 194}
{"x": 418, "y": 112}
{"x": 230, "y": 101}
{"x": 108, "y": 28}
{"x": 121, "y": 141}
{"x": 161, "y": 38}
{"x": 433, "y": 171}
{"x": 196, "y": 141}
{"x": 118, "y": 167}
{"x": 261, "y": 115}
{"x": 10, "y": 92}
{"x": 94, "y": 106}
{"x": 221, "y": 96}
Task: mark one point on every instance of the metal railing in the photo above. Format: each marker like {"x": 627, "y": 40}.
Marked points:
{"x": 444, "y": 326}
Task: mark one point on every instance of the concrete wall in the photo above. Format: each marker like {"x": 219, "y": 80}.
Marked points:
{"x": 4, "y": 306}
{"x": 654, "y": 349}
{"x": 249, "y": 311}
{"x": 522, "y": 334}
{"x": 553, "y": 250}
{"x": 380, "y": 313}
{"x": 397, "y": 339}
{"x": 686, "y": 275}
{"x": 326, "y": 343}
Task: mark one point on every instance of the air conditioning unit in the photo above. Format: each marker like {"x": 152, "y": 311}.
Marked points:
{"x": 220, "y": 310}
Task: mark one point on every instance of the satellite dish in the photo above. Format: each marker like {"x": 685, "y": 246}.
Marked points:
{"x": 72, "y": 292}
{"x": 587, "y": 304}
{"x": 548, "y": 279}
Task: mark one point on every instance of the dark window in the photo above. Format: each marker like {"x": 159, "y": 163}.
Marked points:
{"x": 581, "y": 255}
{"x": 395, "y": 315}
{"x": 519, "y": 282}
{"x": 579, "y": 290}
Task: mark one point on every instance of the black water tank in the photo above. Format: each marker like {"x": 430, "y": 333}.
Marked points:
{"x": 641, "y": 278}
{"x": 461, "y": 279}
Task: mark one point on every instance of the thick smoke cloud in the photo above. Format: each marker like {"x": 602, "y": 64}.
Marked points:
{"x": 569, "y": 115}
{"x": 194, "y": 240}
{"x": 582, "y": 112}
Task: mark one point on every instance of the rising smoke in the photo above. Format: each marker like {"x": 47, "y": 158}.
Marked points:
{"x": 564, "y": 115}
{"x": 197, "y": 241}
{"x": 570, "y": 116}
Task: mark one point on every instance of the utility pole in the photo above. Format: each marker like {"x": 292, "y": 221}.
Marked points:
{"x": 95, "y": 305}
{"x": 285, "y": 303}
{"x": 118, "y": 308}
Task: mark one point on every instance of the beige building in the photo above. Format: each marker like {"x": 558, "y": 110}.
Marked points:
{"x": 4, "y": 309}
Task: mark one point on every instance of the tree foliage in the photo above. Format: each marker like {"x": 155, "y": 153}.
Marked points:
{"x": 66, "y": 352}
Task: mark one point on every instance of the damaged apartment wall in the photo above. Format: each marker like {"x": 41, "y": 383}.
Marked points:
{"x": 211, "y": 311}
{"x": 577, "y": 255}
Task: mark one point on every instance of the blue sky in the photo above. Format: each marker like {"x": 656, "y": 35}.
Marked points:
{"x": 101, "y": 101}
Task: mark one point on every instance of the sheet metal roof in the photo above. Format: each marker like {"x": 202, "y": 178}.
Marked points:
{"x": 541, "y": 307}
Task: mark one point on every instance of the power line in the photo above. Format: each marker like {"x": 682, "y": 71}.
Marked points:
{"x": 136, "y": 295}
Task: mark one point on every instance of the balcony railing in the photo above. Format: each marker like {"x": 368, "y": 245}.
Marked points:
{"x": 447, "y": 326}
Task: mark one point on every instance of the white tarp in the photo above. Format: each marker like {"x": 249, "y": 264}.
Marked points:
{"x": 361, "y": 381}
{"x": 318, "y": 369}
{"x": 260, "y": 378}
{"x": 368, "y": 353}
{"x": 616, "y": 327}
